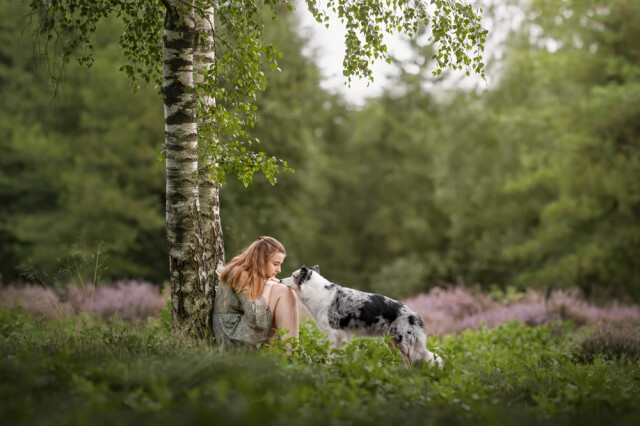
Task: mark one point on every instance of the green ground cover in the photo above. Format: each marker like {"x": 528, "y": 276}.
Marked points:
{"x": 83, "y": 370}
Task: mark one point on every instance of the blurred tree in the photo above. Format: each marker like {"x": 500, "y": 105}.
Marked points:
{"x": 80, "y": 173}
{"x": 481, "y": 144}
{"x": 380, "y": 226}
{"x": 539, "y": 174}
{"x": 532, "y": 183}
{"x": 589, "y": 233}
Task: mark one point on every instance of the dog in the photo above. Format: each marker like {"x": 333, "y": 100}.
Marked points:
{"x": 341, "y": 312}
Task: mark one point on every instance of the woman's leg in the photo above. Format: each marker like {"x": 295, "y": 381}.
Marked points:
{"x": 284, "y": 308}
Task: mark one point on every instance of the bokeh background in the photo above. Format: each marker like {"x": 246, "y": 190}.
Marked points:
{"x": 529, "y": 181}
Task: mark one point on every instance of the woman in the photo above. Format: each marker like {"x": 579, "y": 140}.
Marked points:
{"x": 251, "y": 303}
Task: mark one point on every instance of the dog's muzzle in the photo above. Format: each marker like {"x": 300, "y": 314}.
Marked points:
{"x": 291, "y": 282}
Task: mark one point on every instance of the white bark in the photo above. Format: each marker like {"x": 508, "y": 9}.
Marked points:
{"x": 181, "y": 149}
{"x": 209, "y": 191}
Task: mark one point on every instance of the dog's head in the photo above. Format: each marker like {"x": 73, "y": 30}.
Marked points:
{"x": 301, "y": 276}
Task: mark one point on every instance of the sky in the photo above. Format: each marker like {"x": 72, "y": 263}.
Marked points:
{"x": 327, "y": 47}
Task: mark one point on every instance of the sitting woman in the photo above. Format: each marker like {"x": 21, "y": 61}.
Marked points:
{"x": 251, "y": 304}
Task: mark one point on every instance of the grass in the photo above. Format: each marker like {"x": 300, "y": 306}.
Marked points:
{"x": 83, "y": 370}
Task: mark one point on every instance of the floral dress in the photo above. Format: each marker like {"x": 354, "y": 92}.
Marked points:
{"x": 239, "y": 320}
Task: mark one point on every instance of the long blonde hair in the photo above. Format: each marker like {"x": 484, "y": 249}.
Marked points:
{"x": 248, "y": 268}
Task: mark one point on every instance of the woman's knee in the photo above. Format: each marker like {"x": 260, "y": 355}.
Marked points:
{"x": 277, "y": 293}
{"x": 284, "y": 298}
{"x": 281, "y": 291}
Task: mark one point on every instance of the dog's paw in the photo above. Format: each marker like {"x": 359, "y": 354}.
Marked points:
{"x": 437, "y": 361}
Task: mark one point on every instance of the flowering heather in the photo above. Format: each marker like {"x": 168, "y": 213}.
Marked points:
{"x": 570, "y": 305}
{"x": 35, "y": 299}
{"x": 458, "y": 308}
{"x": 534, "y": 314}
{"x": 444, "y": 310}
{"x": 126, "y": 299}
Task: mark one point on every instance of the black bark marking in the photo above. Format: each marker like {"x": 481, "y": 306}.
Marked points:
{"x": 182, "y": 116}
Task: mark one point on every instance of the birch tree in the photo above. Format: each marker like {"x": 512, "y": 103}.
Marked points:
{"x": 206, "y": 58}
{"x": 209, "y": 189}
{"x": 184, "y": 226}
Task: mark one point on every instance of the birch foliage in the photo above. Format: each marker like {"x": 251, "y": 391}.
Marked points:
{"x": 236, "y": 76}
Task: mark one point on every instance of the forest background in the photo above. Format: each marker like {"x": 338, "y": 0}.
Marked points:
{"x": 531, "y": 182}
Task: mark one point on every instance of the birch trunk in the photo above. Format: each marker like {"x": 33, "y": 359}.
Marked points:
{"x": 209, "y": 191}
{"x": 181, "y": 149}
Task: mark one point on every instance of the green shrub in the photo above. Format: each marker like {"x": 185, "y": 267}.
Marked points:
{"x": 83, "y": 370}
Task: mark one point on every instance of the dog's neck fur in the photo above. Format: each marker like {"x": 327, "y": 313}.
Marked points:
{"x": 317, "y": 293}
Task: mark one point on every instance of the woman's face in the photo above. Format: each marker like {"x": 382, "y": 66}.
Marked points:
{"x": 273, "y": 265}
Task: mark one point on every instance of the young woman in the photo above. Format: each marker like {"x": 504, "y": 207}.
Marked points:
{"x": 251, "y": 304}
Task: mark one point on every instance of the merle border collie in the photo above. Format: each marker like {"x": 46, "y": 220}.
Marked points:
{"x": 341, "y": 312}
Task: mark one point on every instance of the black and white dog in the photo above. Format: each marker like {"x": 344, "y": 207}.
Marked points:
{"x": 341, "y": 312}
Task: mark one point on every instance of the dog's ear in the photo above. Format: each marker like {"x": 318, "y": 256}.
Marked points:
{"x": 305, "y": 274}
{"x": 316, "y": 268}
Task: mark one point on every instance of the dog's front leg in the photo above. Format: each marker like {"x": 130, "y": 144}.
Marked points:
{"x": 337, "y": 339}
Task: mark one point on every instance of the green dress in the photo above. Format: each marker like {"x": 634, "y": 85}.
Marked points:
{"x": 239, "y": 320}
